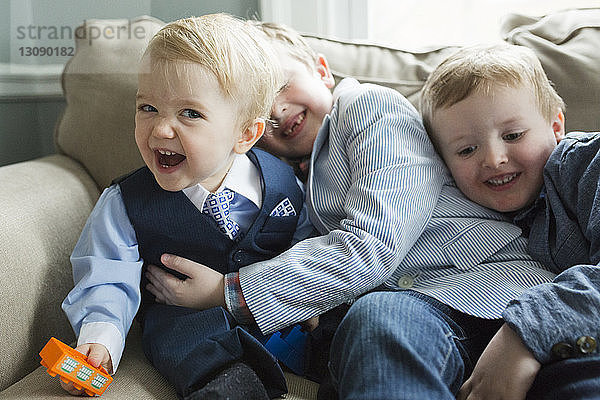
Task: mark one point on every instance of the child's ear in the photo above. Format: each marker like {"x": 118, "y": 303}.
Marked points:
{"x": 558, "y": 126}
{"x": 324, "y": 71}
{"x": 250, "y": 136}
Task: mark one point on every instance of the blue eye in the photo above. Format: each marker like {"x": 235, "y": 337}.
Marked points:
{"x": 513, "y": 136}
{"x": 467, "y": 151}
{"x": 147, "y": 108}
{"x": 192, "y": 114}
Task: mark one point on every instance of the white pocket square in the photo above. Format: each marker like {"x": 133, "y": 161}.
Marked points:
{"x": 283, "y": 209}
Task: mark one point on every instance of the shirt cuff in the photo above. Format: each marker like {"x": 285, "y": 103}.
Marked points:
{"x": 107, "y": 335}
{"x": 235, "y": 301}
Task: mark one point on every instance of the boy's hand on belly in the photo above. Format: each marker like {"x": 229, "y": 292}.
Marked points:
{"x": 505, "y": 370}
{"x": 204, "y": 289}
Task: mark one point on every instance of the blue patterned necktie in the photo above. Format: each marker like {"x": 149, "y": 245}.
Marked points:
{"x": 217, "y": 206}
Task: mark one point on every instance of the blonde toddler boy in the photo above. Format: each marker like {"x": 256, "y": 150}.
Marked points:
{"x": 206, "y": 87}
{"x": 499, "y": 125}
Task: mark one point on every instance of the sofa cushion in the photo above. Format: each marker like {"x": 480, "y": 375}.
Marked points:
{"x": 43, "y": 206}
{"x": 405, "y": 71}
{"x": 568, "y": 46}
{"x": 135, "y": 379}
{"x": 99, "y": 84}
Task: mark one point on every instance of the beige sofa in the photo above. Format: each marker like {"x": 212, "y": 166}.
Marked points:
{"x": 45, "y": 202}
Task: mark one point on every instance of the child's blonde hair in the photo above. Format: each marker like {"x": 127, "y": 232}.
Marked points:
{"x": 236, "y": 53}
{"x": 293, "y": 42}
{"x": 481, "y": 68}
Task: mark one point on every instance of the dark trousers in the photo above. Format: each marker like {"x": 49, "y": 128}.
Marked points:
{"x": 189, "y": 347}
{"x": 576, "y": 378}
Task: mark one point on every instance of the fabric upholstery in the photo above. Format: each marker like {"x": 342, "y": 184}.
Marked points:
{"x": 99, "y": 84}
{"x": 568, "y": 46}
{"x": 405, "y": 71}
{"x": 136, "y": 379}
{"x": 43, "y": 206}
{"x": 102, "y": 77}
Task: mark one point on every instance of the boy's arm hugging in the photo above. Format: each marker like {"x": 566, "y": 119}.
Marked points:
{"x": 573, "y": 174}
{"x": 541, "y": 326}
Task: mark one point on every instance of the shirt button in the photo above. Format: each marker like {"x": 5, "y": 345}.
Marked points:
{"x": 406, "y": 281}
{"x": 238, "y": 256}
{"x": 562, "y": 350}
{"x": 586, "y": 344}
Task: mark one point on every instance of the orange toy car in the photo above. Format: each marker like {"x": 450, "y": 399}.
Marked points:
{"x": 72, "y": 366}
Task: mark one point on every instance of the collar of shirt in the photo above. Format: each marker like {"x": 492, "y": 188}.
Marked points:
{"x": 243, "y": 178}
{"x": 524, "y": 217}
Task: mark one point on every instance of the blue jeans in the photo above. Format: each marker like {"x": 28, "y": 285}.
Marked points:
{"x": 405, "y": 345}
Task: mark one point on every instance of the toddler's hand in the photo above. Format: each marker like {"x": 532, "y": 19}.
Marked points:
{"x": 97, "y": 354}
{"x": 505, "y": 370}
{"x": 204, "y": 289}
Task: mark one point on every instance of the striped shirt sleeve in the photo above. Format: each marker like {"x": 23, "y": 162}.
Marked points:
{"x": 374, "y": 182}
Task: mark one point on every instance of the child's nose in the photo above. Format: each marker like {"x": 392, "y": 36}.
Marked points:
{"x": 163, "y": 129}
{"x": 278, "y": 109}
{"x": 495, "y": 157}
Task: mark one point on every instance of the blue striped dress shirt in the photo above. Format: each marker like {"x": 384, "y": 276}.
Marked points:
{"x": 389, "y": 214}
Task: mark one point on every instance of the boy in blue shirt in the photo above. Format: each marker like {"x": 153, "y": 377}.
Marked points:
{"x": 499, "y": 125}
{"x": 206, "y": 86}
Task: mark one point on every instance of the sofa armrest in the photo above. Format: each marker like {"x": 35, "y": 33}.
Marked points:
{"x": 43, "y": 206}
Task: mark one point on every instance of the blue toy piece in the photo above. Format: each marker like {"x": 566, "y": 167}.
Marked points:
{"x": 289, "y": 345}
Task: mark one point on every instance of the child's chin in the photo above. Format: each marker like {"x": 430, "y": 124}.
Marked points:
{"x": 508, "y": 208}
{"x": 169, "y": 186}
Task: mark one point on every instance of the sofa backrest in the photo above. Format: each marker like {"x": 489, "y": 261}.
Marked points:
{"x": 568, "y": 46}
{"x": 405, "y": 71}
{"x": 100, "y": 81}
{"x": 99, "y": 84}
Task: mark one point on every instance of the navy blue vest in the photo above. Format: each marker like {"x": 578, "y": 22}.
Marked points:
{"x": 168, "y": 222}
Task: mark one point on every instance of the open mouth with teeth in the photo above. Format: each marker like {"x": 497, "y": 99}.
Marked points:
{"x": 168, "y": 159}
{"x": 503, "y": 180}
{"x": 294, "y": 126}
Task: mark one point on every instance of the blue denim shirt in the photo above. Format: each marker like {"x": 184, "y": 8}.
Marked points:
{"x": 564, "y": 234}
